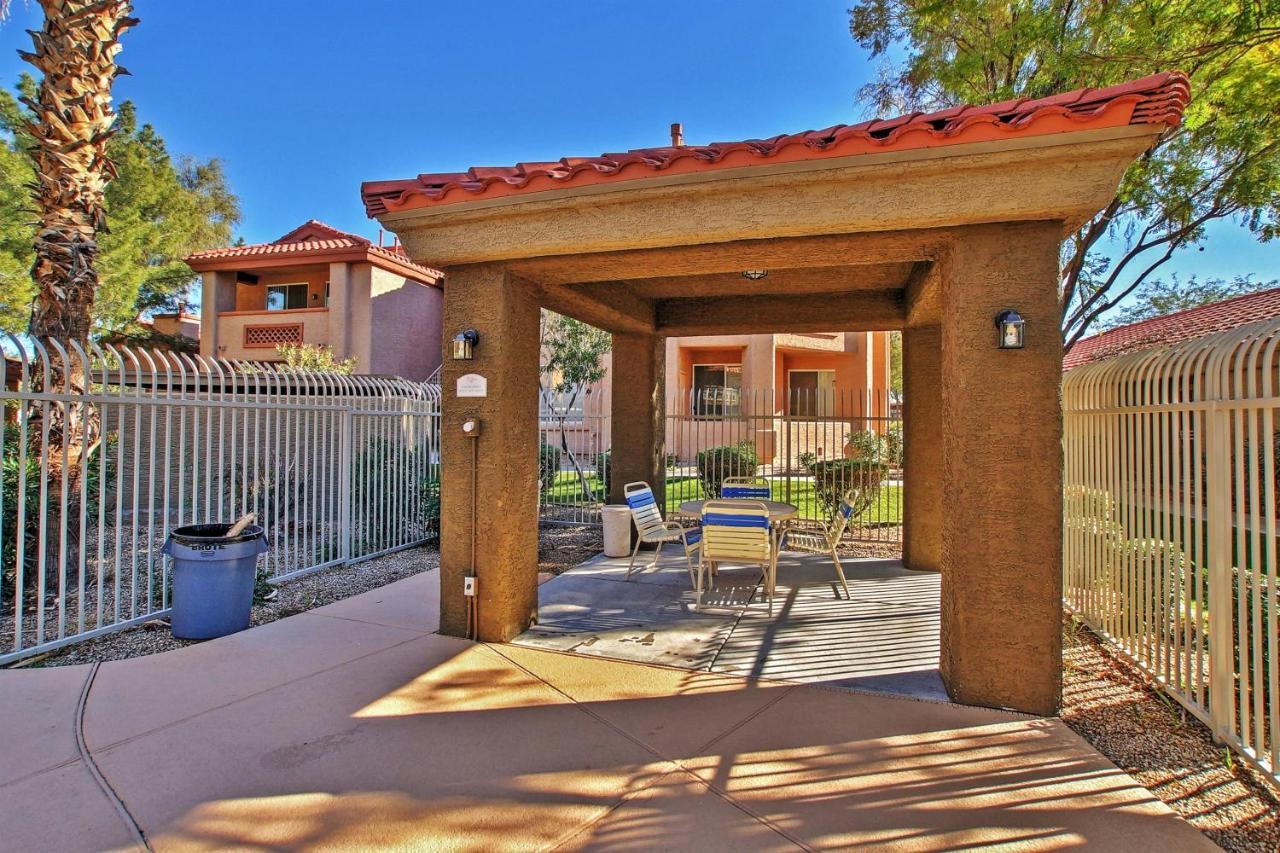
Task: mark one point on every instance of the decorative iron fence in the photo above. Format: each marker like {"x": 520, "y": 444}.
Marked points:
{"x": 99, "y": 467}
{"x": 1170, "y": 534}
{"x": 812, "y": 446}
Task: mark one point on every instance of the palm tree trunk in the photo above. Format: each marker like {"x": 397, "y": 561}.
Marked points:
{"x": 71, "y": 125}
{"x": 72, "y": 122}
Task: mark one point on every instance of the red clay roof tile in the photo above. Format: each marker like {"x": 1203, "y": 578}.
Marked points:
{"x": 1176, "y": 327}
{"x": 315, "y": 239}
{"x": 1159, "y": 99}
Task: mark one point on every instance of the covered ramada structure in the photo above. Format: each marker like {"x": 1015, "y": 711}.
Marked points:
{"x": 929, "y": 223}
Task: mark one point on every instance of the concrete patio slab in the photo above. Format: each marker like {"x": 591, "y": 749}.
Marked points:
{"x": 60, "y": 810}
{"x": 927, "y": 776}
{"x": 436, "y": 728}
{"x": 651, "y": 703}
{"x": 432, "y": 742}
{"x": 677, "y": 812}
{"x": 37, "y": 718}
{"x": 129, "y": 702}
{"x": 884, "y": 638}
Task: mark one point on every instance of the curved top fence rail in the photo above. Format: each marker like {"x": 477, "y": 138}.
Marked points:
{"x": 1239, "y": 364}
{"x": 111, "y": 370}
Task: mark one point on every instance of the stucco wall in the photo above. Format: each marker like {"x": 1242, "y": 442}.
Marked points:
{"x": 231, "y": 326}
{"x": 406, "y": 320}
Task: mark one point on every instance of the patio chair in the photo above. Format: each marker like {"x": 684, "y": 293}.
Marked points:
{"x": 735, "y": 531}
{"x": 652, "y": 529}
{"x": 826, "y": 541}
{"x": 752, "y": 488}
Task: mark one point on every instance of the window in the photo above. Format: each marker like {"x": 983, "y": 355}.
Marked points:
{"x": 286, "y": 297}
{"x": 717, "y": 390}
{"x": 812, "y": 393}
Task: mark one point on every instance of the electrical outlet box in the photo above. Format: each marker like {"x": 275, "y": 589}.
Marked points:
{"x": 471, "y": 428}
{"x": 469, "y": 585}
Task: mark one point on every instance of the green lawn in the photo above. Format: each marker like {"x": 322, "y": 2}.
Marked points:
{"x": 887, "y": 509}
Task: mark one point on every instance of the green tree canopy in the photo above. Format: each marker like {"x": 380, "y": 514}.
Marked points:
{"x": 159, "y": 209}
{"x": 1222, "y": 163}
{"x": 1158, "y": 297}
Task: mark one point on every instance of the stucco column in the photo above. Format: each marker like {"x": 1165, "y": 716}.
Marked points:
{"x": 217, "y": 294}
{"x": 637, "y": 409}
{"x": 1002, "y": 471}
{"x": 340, "y": 309}
{"x": 922, "y": 448}
{"x": 484, "y": 297}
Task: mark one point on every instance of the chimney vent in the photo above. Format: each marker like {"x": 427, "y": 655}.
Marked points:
{"x": 677, "y": 135}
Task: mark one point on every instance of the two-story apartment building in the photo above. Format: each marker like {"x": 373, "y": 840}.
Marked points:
{"x": 319, "y": 285}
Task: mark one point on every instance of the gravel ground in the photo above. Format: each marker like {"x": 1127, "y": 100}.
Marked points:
{"x": 1111, "y": 704}
{"x": 296, "y": 596}
{"x": 561, "y": 547}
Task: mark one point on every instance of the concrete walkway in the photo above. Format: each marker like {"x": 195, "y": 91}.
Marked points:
{"x": 883, "y": 637}
{"x": 355, "y": 725}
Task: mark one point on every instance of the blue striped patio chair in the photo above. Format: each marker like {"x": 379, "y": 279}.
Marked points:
{"x": 652, "y": 529}
{"x": 824, "y": 541}
{"x": 736, "y": 532}
{"x": 751, "y": 488}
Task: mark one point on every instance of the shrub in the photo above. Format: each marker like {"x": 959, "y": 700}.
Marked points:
{"x": 715, "y": 464}
{"x": 312, "y": 357}
{"x": 431, "y": 504}
{"x": 603, "y": 467}
{"x": 868, "y": 445}
{"x": 859, "y": 479}
{"x": 893, "y": 438}
{"x": 548, "y": 465}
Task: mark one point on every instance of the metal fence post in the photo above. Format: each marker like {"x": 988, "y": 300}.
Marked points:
{"x": 344, "y": 485}
{"x": 1218, "y": 552}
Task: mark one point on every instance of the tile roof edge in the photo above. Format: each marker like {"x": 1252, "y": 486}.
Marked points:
{"x": 1153, "y": 100}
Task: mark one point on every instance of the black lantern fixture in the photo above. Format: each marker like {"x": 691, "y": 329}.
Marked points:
{"x": 464, "y": 344}
{"x": 1009, "y": 330}
{"x": 754, "y": 275}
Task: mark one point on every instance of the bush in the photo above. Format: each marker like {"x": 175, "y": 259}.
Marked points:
{"x": 548, "y": 465}
{"x": 715, "y": 464}
{"x": 893, "y": 438}
{"x": 869, "y": 446}
{"x": 859, "y": 479}
{"x": 602, "y": 463}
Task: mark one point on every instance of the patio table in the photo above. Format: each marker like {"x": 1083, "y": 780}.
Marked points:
{"x": 778, "y": 513}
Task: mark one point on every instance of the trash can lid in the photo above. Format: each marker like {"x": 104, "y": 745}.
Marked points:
{"x": 203, "y": 534}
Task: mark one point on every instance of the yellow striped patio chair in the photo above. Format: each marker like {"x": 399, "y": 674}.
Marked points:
{"x": 736, "y": 532}
{"x": 652, "y": 529}
{"x": 825, "y": 541}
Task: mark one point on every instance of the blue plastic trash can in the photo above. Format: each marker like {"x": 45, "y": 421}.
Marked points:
{"x": 213, "y": 577}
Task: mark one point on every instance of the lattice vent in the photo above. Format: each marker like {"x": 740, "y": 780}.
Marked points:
{"x": 271, "y": 336}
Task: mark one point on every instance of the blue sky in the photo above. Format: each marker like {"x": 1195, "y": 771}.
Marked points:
{"x": 304, "y": 100}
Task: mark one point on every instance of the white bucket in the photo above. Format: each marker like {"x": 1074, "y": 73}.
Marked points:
{"x": 617, "y": 530}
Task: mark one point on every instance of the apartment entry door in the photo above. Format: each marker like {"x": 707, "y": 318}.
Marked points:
{"x": 811, "y": 393}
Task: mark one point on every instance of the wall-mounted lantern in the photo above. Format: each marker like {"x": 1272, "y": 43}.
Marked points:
{"x": 464, "y": 344}
{"x": 1009, "y": 330}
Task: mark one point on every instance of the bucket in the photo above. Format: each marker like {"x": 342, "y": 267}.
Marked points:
{"x": 213, "y": 577}
{"x": 617, "y": 530}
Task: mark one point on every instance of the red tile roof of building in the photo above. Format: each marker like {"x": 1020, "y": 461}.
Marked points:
{"x": 1173, "y": 328}
{"x": 314, "y": 241}
{"x": 1155, "y": 100}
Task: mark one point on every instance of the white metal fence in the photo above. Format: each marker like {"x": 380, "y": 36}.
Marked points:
{"x": 1171, "y": 521}
{"x": 98, "y": 470}
{"x": 807, "y": 443}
